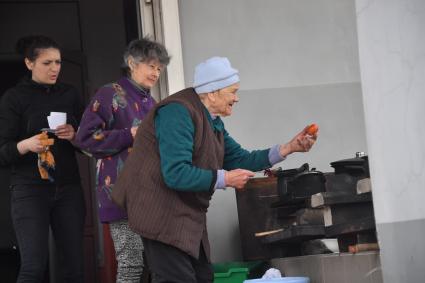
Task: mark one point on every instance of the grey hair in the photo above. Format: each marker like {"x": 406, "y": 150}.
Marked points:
{"x": 144, "y": 50}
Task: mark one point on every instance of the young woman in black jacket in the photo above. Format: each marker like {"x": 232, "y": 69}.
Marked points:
{"x": 45, "y": 181}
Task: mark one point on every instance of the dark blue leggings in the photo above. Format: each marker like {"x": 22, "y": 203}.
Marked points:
{"x": 34, "y": 209}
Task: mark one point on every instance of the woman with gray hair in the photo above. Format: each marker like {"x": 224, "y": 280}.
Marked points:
{"x": 106, "y": 132}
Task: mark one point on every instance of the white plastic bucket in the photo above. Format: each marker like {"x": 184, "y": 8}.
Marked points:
{"x": 280, "y": 280}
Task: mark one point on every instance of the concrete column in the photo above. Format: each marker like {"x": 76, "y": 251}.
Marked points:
{"x": 391, "y": 35}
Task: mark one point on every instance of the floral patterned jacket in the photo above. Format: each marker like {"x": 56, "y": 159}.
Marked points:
{"x": 105, "y": 134}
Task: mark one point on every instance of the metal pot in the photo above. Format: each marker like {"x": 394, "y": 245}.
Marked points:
{"x": 358, "y": 166}
{"x": 285, "y": 176}
{"x": 308, "y": 183}
{"x": 295, "y": 185}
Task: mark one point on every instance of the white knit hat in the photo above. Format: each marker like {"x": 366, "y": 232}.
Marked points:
{"x": 213, "y": 74}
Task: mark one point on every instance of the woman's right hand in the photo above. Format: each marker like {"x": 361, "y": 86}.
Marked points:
{"x": 32, "y": 144}
{"x": 237, "y": 178}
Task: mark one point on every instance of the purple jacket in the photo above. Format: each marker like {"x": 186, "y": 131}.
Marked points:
{"x": 105, "y": 134}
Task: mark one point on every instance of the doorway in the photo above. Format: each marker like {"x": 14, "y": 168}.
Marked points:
{"x": 92, "y": 35}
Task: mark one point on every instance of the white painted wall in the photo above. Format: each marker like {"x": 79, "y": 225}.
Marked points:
{"x": 392, "y": 60}
{"x": 274, "y": 43}
{"x": 298, "y": 63}
{"x": 171, "y": 30}
{"x": 392, "y": 45}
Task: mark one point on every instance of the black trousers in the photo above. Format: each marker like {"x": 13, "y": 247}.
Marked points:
{"x": 34, "y": 209}
{"x": 171, "y": 265}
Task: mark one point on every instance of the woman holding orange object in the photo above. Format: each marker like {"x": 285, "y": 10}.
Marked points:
{"x": 45, "y": 181}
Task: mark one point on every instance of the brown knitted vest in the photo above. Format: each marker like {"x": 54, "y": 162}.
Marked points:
{"x": 156, "y": 211}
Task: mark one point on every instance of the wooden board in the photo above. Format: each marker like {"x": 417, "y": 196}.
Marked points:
{"x": 295, "y": 234}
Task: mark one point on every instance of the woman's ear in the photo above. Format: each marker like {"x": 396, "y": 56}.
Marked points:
{"x": 29, "y": 64}
{"x": 131, "y": 63}
{"x": 212, "y": 95}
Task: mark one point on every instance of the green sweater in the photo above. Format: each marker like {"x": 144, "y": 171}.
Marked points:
{"x": 175, "y": 131}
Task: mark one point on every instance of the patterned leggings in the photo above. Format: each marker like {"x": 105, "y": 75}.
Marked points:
{"x": 129, "y": 252}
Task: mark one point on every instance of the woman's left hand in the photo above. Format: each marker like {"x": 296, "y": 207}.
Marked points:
{"x": 65, "y": 132}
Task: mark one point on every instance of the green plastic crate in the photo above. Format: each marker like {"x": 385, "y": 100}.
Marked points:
{"x": 233, "y": 272}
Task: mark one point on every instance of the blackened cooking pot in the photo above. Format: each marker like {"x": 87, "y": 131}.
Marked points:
{"x": 299, "y": 184}
{"x": 307, "y": 183}
{"x": 285, "y": 176}
{"x": 358, "y": 166}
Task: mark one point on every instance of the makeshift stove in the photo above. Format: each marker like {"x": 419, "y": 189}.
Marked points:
{"x": 285, "y": 213}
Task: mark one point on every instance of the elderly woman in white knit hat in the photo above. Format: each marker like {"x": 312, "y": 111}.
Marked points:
{"x": 182, "y": 154}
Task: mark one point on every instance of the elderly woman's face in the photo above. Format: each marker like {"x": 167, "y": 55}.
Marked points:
{"x": 225, "y": 98}
{"x": 146, "y": 74}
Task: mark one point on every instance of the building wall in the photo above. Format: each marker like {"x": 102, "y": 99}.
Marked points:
{"x": 392, "y": 63}
{"x": 298, "y": 63}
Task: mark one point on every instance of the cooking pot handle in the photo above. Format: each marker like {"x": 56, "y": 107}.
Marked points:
{"x": 303, "y": 168}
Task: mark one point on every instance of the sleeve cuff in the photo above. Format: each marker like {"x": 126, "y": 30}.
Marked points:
{"x": 214, "y": 179}
{"x": 274, "y": 155}
{"x": 220, "y": 183}
{"x": 14, "y": 151}
{"x": 10, "y": 154}
{"x": 128, "y": 138}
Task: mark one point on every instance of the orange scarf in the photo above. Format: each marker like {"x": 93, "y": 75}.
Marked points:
{"x": 46, "y": 161}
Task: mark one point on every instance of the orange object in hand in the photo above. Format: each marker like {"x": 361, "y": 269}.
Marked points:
{"x": 312, "y": 129}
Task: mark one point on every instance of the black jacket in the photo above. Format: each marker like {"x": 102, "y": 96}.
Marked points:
{"x": 23, "y": 112}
